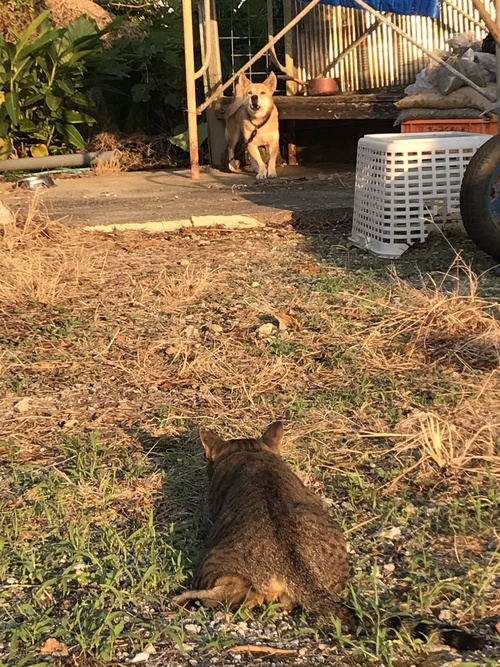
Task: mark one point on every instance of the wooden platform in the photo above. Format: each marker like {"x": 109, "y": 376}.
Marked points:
{"x": 379, "y": 104}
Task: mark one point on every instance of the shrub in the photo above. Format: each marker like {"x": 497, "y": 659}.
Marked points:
{"x": 42, "y": 78}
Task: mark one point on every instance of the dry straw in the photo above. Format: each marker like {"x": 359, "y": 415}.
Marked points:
{"x": 462, "y": 445}
{"x": 445, "y": 322}
{"x": 42, "y": 260}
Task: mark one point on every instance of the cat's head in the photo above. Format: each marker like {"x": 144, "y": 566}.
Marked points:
{"x": 269, "y": 441}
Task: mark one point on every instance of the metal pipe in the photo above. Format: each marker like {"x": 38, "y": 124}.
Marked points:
{"x": 194, "y": 154}
{"x": 55, "y": 161}
{"x": 258, "y": 55}
{"x": 291, "y": 88}
{"x": 206, "y": 41}
{"x": 270, "y": 31}
{"x": 428, "y": 53}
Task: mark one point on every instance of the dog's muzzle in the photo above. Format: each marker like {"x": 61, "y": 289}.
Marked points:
{"x": 255, "y": 102}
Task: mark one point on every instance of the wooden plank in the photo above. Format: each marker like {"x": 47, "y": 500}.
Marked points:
{"x": 333, "y": 107}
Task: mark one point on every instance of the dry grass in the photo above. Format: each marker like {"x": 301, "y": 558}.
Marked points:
{"x": 43, "y": 261}
{"x": 112, "y": 166}
{"x": 446, "y": 322}
{"x": 178, "y": 290}
{"x": 137, "y": 151}
{"x": 459, "y": 446}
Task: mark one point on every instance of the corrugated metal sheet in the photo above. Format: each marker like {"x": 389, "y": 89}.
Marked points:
{"x": 384, "y": 58}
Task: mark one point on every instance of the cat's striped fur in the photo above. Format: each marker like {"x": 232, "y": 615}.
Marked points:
{"x": 272, "y": 538}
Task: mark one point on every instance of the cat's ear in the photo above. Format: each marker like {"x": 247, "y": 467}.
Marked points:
{"x": 212, "y": 443}
{"x": 272, "y": 436}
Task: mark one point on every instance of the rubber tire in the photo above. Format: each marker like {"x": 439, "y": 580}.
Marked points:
{"x": 480, "y": 197}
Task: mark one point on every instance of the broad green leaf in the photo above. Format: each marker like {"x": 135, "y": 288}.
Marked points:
{"x": 38, "y": 43}
{"x": 26, "y": 125}
{"x": 53, "y": 102}
{"x": 182, "y": 140}
{"x": 33, "y": 99}
{"x": 82, "y": 99}
{"x": 81, "y": 28}
{"x": 71, "y": 135}
{"x": 44, "y": 65}
{"x": 10, "y": 52}
{"x": 40, "y": 134}
{"x": 12, "y": 106}
{"x": 39, "y": 150}
{"x": 71, "y": 116}
{"x": 32, "y": 28}
{"x": 172, "y": 58}
{"x": 141, "y": 92}
{"x": 66, "y": 86}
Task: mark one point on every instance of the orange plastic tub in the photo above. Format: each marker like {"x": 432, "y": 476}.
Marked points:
{"x": 477, "y": 125}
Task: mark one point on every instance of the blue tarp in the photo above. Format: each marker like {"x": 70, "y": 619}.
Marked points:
{"x": 413, "y": 7}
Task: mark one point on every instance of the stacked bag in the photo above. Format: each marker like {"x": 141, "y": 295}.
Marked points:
{"x": 437, "y": 93}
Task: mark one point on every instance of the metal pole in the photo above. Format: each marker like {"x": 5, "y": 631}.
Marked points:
{"x": 291, "y": 86}
{"x": 187, "y": 21}
{"x": 206, "y": 42}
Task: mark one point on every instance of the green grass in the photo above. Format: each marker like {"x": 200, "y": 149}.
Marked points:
{"x": 85, "y": 561}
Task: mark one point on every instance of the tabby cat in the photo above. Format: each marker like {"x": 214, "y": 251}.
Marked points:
{"x": 271, "y": 538}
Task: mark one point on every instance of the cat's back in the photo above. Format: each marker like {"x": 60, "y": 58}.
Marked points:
{"x": 259, "y": 479}
{"x": 257, "y": 494}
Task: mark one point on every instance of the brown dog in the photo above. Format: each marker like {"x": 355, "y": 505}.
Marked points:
{"x": 271, "y": 537}
{"x": 253, "y": 115}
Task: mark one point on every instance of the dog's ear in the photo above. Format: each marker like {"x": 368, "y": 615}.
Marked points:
{"x": 272, "y": 437}
{"x": 212, "y": 443}
{"x": 271, "y": 82}
{"x": 243, "y": 80}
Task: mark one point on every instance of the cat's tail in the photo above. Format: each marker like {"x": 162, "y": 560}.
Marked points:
{"x": 327, "y": 605}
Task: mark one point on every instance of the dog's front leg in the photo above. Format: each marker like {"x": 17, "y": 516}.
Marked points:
{"x": 257, "y": 162}
{"x": 232, "y": 136}
{"x": 274, "y": 150}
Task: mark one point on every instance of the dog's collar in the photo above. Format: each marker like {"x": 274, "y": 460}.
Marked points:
{"x": 256, "y": 127}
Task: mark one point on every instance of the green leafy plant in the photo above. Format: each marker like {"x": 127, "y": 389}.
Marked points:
{"x": 42, "y": 81}
{"x": 150, "y": 93}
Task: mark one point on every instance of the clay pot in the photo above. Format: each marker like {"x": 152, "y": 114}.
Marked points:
{"x": 322, "y": 86}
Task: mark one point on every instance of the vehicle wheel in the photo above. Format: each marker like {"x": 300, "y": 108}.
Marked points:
{"x": 480, "y": 197}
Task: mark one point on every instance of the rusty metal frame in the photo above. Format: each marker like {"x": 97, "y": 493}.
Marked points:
{"x": 193, "y": 110}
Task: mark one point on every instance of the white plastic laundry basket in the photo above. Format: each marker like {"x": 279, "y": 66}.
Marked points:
{"x": 403, "y": 181}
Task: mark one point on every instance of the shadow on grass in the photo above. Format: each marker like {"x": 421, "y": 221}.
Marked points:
{"x": 327, "y": 239}
{"x": 179, "y": 507}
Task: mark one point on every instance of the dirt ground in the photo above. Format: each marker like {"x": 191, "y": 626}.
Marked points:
{"x": 170, "y": 195}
